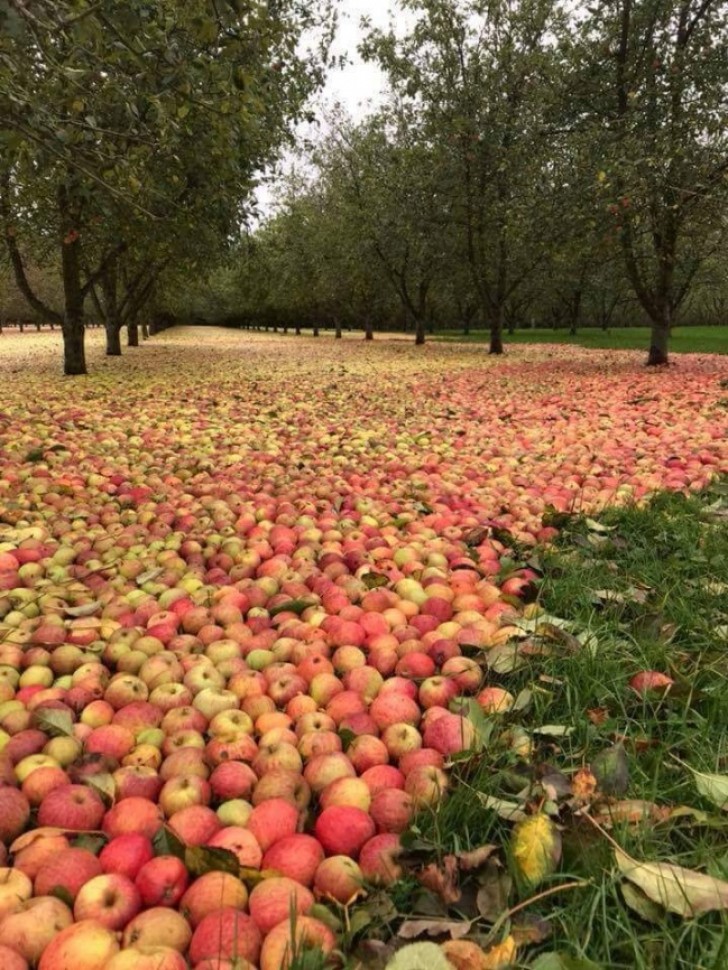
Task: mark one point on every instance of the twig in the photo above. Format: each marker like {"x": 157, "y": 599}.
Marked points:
{"x": 509, "y": 913}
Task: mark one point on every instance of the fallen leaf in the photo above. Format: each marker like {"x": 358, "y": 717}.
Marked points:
{"x": 455, "y": 929}
{"x": 501, "y": 956}
{"x": 649, "y": 911}
{"x": 583, "y": 785}
{"x": 442, "y": 880}
{"x": 85, "y": 609}
{"x": 510, "y": 811}
{"x": 554, "y": 730}
{"x": 598, "y": 715}
{"x": 611, "y": 770}
{"x": 712, "y": 787}
{"x": 558, "y": 960}
{"x": 631, "y": 810}
{"x": 494, "y": 892}
{"x": 476, "y": 857}
{"x": 531, "y": 930}
{"x": 681, "y": 891}
{"x": 419, "y": 956}
{"x": 536, "y": 848}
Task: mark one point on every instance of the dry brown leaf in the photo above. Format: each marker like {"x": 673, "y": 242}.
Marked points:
{"x": 682, "y": 891}
{"x": 631, "y": 810}
{"x": 454, "y": 928}
{"x": 476, "y": 858}
{"x": 583, "y": 785}
{"x": 442, "y": 881}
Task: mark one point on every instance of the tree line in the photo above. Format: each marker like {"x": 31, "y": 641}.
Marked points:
{"x": 132, "y": 136}
{"x": 536, "y": 164}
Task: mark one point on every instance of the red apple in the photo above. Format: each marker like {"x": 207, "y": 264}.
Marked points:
{"x": 271, "y": 901}
{"x": 213, "y": 890}
{"x": 338, "y": 878}
{"x": 343, "y": 830}
{"x": 241, "y": 842}
{"x": 162, "y": 881}
{"x": 377, "y": 859}
{"x": 126, "y": 854}
{"x": 296, "y": 856}
{"x": 110, "y": 900}
{"x": 86, "y": 945}
{"x": 133, "y": 815}
{"x": 69, "y": 870}
{"x": 272, "y": 820}
{"x": 72, "y": 807}
{"x": 14, "y": 813}
{"x": 226, "y": 932}
{"x": 282, "y": 943}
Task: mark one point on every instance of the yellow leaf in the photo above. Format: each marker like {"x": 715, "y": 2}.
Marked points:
{"x": 536, "y": 848}
{"x": 501, "y": 956}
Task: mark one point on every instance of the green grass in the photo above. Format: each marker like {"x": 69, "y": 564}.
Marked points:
{"x": 666, "y": 566}
{"x": 685, "y": 340}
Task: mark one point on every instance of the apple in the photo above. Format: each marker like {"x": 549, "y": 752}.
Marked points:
{"x": 15, "y": 889}
{"x": 232, "y": 780}
{"x": 338, "y": 878}
{"x": 450, "y": 734}
{"x": 149, "y": 958}
{"x": 234, "y": 812}
{"x": 126, "y": 854}
{"x": 162, "y": 881}
{"x": 33, "y": 849}
{"x": 29, "y": 930}
{"x": 272, "y": 901}
{"x": 182, "y": 791}
{"x": 109, "y": 899}
{"x": 69, "y": 870}
{"x": 85, "y": 945}
{"x": 394, "y": 708}
{"x": 194, "y": 825}
{"x": 11, "y": 959}
{"x": 283, "y": 942}
{"x": 382, "y": 777}
{"x": 272, "y": 820}
{"x": 495, "y": 700}
{"x": 314, "y": 743}
{"x": 295, "y": 856}
{"x": 133, "y": 815}
{"x": 241, "y": 842}
{"x": 321, "y": 770}
{"x": 426, "y": 784}
{"x": 420, "y": 758}
{"x": 343, "y": 829}
{"x": 14, "y": 813}
{"x": 72, "y": 807}
{"x": 377, "y": 859}
{"x": 392, "y": 810}
{"x": 158, "y": 926}
{"x": 346, "y": 791}
{"x": 213, "y": 890}
{"x": 226, "y": 932}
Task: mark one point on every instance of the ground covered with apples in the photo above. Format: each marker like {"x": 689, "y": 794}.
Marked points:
{"x": 321, "y": 653}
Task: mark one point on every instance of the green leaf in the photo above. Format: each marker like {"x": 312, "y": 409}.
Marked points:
{"x": 165, "y": 842}
{"x": 558, "y": 960}
{"x": 200, "y": 859}
{"x": 292, "y": 606}
{"x": 92, "y": 843}
{"x": 712, "y": 787}
{"x": 60, "y": 892}
{"x": 58, "y": 724}
{"x": 611, "y": 770}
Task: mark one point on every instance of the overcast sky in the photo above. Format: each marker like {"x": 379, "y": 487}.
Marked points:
{"x": 359, "y": 87}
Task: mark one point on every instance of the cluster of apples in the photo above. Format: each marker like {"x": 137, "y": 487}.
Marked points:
{"x": 294, "y": 717}
{"x": 245, "y": 631}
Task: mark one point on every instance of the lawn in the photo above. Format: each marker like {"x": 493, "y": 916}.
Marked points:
{"x": 266, "y": 599}
{"x": 685, "y": 340}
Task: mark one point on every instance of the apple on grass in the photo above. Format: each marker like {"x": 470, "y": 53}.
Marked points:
{"x": 283, "y": 943}
{"x": 338, "y": 878}
{"x": 377, "y": 859}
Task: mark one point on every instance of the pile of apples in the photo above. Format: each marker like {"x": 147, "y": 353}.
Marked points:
{"x": 295, "y": 717}
{"x": 233, "y": 619}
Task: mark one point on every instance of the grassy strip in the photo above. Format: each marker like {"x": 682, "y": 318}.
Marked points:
{"x": 652, "y": 591}
{"x": 686, "y": 340}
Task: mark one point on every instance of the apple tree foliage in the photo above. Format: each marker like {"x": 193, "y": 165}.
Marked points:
{"x": 131, "y": 135}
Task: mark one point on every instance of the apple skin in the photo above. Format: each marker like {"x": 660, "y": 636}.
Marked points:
{"x": 377, "y": 859}
{"x": 74, "y": 807}
{"x": 162, "y": 881}
{"x": 650, "y": 681}
{"x": 225, "y": 932}
{"x": 70, "y": 870}
{"x": 110, "y": 900}
{"x": 427, "y": 785}
{"x": 158, "y": 926}
{"x": 86, "y": 945}
{"x": 240, "y": 841}
{"x": 133, "y": 815}
{"x": 126, "y": 854}
{"x": 392, "y": 810}
{"x": 343, "y": 830}
{"x": 213, "y": 890}
{"x": 11, "y": 960}
{"x": 495, "y": 700}
{"x": 279, "y": 945}
{"x": 272, "y": 820}
{"x": 338, "y": 878}
{"x": 380, "y": 777}
{"x": 296, "y": 856}
{"x": 32, "y": 850}
{"x": 14, "y": 813}
{"x": 151, "y": 958}
{"x": 15, "y": 889}
{"x": 450, "y": 734}
{"x": 29, "y": 930}
{"x": 271, "y": 901}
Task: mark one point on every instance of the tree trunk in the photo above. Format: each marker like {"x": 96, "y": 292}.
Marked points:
{"x": 74, "y": 351}
{"x": 145, "y": 332}
{"x": 113, "y": 341}
{"x": 368, "y": 330}
{"x": 660, "y": 338}
{"x": 132, "y": 329}
{"x": 337, "y": 326}
{"x": 496, "y": 331}
{"x": 315, "y": 331}
{"x": 298, "y": 330}
{"x": 420, "y": 326}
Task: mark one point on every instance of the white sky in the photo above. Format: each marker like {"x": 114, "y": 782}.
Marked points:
{"x": 359, "y": 87}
